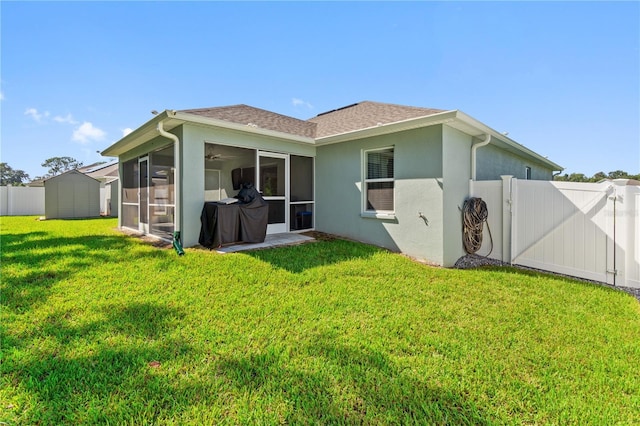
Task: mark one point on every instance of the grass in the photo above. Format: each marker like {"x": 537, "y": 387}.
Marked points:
{"x": 99, "y": 328}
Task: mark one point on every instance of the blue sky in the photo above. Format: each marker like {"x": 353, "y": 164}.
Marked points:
{"x": 562, "y": 78}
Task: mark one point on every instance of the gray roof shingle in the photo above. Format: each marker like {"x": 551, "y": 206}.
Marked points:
{"x": 354, "y": 117}
{"x": 364, "y": 115}
{"x": 251, "y": 116}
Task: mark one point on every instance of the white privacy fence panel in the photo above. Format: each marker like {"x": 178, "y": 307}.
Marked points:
{"x": 586, "y": 230}
{"x": 563, "y": 227}
{"x": 21, "y": 201}
{"x": 628, "y": 235}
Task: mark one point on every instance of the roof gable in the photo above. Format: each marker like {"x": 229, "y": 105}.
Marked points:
{"x": 364, "y": 115}
{"x": 256, "y": 117}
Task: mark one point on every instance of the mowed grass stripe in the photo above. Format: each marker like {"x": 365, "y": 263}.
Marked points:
{"x": 98, "y": 327}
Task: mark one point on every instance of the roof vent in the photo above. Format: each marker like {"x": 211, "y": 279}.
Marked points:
{"x": 337, "y": 109}
{"x": 252, "y": 125}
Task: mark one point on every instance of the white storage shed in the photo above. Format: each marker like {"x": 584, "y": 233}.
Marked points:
{"x": 71, "y": 195}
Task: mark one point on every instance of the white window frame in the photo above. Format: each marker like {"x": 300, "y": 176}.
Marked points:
{"x": 527, "y": 173}
{"x": 377, "y": 214}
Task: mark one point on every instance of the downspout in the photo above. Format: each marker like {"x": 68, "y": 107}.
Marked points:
{"x": 176, "y": 155}
{"x": 474, "y": 148}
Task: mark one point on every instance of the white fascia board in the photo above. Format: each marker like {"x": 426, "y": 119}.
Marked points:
{"x": 383, "y": 129}
{"x": 198, "y": 119}
{"x": 481, "y": 128}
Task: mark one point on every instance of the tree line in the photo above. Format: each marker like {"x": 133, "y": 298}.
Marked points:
{"x": 55, "y": 166}
{"x": 581, "y": 177}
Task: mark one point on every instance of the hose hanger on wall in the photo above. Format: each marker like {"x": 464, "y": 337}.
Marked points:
{"x": 474, "y": 215}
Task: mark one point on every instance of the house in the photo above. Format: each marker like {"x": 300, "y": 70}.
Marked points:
{"x": 71, "y": 195}
{"x": 390, "y": 175}
{"x": 107, "y": 175}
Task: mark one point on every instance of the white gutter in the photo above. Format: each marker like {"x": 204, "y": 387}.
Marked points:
{"x": 176, "y": 159}
{"x": 474, "y": 148}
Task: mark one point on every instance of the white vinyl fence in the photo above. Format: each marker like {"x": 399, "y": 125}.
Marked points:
{"x": 586, "y": 230}
{"x": 29, "y": 201}
{"x": 21, "y": 201}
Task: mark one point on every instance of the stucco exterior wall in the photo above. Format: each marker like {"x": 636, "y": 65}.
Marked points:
{"x": 71, "y": 195}
{"x": 418, "y": 189}
{"x": 493, "y": 162}
{"x": 456, "y": 160}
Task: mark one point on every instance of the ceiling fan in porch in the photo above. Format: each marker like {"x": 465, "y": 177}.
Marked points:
{"x": 218, "y": 153}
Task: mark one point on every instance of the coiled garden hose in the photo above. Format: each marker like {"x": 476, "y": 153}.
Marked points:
{"x": 474, "y": 215}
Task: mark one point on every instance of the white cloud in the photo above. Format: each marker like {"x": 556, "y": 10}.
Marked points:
{"x": 299, "y": 102}
{"x": 67, "y": 119}
{"x": 87, "y": 133}
{"x": 1, "y": 96}
{"x": 126, "y": 131}
{"x": 37, "y": 116}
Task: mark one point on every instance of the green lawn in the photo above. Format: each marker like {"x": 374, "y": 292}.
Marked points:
{"x": 98, "y": 327}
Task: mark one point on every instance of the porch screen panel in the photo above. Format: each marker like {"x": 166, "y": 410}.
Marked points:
{"x": 162, "y": 192}
{"x": 301, "y": 189}
{"x": 130, "y": 179}
{"x": 301, "y": 178}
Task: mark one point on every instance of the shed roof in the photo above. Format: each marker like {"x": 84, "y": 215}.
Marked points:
{"x": 70, "y": 173}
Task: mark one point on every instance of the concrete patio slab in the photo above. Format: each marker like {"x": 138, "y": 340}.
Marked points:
{"x": 271, "y": 241}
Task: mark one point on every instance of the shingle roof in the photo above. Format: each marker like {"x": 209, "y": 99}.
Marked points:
{"x": 354, "y": 117}
{"x": 251, "y": 116}
{"x": 364, "y": 115}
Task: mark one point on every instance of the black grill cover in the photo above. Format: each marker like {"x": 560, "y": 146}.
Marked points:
{"x": 228, "y": 223}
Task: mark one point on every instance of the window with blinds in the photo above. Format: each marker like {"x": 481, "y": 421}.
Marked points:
{"x": 378, "y": 180}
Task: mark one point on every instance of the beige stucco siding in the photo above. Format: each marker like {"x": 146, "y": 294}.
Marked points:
{"x": 418, "y": 189}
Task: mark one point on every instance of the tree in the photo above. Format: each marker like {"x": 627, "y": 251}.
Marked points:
{"x": 58, "y": 165}
{"x": 8, "y": 176}
{"x": 577, "y": 177}
{"x": 618, "y": 174}
{"x": 580, "y": 177}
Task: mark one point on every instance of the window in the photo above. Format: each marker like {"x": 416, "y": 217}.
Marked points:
{"x": 527, "y": 173}
{"x": 378, "y": 181}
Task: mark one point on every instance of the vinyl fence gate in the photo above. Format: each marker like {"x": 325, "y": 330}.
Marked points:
{"x": 585, "y": 230}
